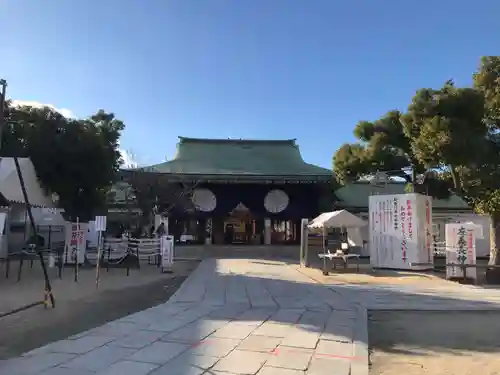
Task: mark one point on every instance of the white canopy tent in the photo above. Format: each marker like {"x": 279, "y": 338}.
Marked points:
{"x": 336, "y": 219}
{"x": 10, "y": 186}
{"x": 11, "y": 193}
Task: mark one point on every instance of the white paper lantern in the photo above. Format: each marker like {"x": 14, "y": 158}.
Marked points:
{"x": 204, "y": 200}
{"x": 276, "y": 201}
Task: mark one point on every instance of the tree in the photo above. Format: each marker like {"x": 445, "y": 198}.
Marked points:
{"x": 77, "y": 159}
{"x": 441, "y": 124}
{"x": 486, "y": 190}
{"x": 384, "y": 147}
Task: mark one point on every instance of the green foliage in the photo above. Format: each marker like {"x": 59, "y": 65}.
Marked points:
{"x": 384, "y": 146}
{"x": 77, "y": 159}
{"x": 441, "y": 124}
{"x": 487, "y": 81}
{"x": 451, "y": 134}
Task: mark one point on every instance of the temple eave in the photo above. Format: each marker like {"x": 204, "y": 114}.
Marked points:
{"x": 231, "y": 177}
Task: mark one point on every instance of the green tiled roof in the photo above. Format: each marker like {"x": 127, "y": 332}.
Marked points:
{"x": 355, "y": 195}
{"x": 240, "y": 158}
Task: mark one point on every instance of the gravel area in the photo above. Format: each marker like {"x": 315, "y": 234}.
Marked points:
{"x": 434, "y": 343}
{"x": 79, "y": 306}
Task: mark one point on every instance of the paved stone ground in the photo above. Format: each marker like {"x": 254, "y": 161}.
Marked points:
{"x": 242, "y": 317}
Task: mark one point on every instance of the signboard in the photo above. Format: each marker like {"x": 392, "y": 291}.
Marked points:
{"x": 167, "y": 252}
{"x": 75, "y": 242}
{"x": 304, "y": 243}
{"x": 461, "y": 248}
{"x": 3, "y": 220}
{"x": 100, "y": 223}
{"x": 400, "y": 231}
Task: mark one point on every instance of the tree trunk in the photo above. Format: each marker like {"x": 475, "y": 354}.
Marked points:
{"x": 493, "y": 274}
{"x": 456, "y": 182}
{"x": 413, "y": 178}
{"x": 495, "y": 240}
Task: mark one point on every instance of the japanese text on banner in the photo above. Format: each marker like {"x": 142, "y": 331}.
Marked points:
{"x": 395, "y": 214}
{"x": 409, "y": 219}
{"x": 428, "y": 225}
{"x": 77, "y": 235}
{"x": 403, "y": 233}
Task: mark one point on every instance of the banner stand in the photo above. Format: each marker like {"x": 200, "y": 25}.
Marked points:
{"x": 167, "y": 253}
{"x": 100, "y": 226}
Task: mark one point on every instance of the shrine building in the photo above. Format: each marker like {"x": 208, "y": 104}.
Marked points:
{"x": 242, "y": 191}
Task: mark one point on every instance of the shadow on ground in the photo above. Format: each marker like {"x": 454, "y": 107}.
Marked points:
{"x": 207, "y": 317}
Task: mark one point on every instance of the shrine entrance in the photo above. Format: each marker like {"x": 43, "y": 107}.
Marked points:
{"x": 241, "y": 227}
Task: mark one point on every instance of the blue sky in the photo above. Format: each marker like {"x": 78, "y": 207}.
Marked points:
{"x": 305, "y": 69}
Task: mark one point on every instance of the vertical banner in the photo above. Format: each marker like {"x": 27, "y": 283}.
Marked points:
{"x": 303, "y": 243}
{"x": 75, "y": 242}
{"x": 99, "y": 225}
{"x": 461, "y": 249}
{"x": 167, "y": 253}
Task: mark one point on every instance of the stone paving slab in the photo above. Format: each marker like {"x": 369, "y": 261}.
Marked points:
{"x": 255, "y": 343}
{"x": 242, "y": 317}
{"x": 229, "y": 317}
{"x": 242, "y": 362}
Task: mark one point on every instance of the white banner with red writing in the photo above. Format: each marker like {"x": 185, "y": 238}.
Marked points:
{"x": 400, "y": 229}
{"x": 461, "y": 249}
{"x": 76, "y": 244}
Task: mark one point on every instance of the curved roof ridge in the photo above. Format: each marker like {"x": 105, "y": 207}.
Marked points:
{"x": 290, "y": 141}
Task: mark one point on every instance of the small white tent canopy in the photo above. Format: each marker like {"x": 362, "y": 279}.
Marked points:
{"x": 336, "y": 219}
{"x": 10, "y": 186}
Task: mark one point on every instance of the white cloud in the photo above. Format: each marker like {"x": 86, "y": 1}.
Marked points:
{"x": 68, "y": 113}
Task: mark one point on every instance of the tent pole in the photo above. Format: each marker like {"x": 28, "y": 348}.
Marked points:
{"x": 325, "y": 272}
{"x": 48, "y": 287}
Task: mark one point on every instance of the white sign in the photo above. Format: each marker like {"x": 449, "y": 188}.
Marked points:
{"x": 461, "y": 248}
{"x": 3, "y": 220}
{"x": 303, "y": 243}
{"x": 167, "y": 252}
{"x": 75, "y": 242}
{"x": 100, "y": 223}
{"x": 400, "y": 231}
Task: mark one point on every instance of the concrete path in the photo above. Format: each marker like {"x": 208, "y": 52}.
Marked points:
{"x": 229, "y": 317}
{"x": 242, "y": 317}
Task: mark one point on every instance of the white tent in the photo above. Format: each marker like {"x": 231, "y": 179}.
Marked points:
{"x": 336, "y": 219}
{"x": 10, "y": 186}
